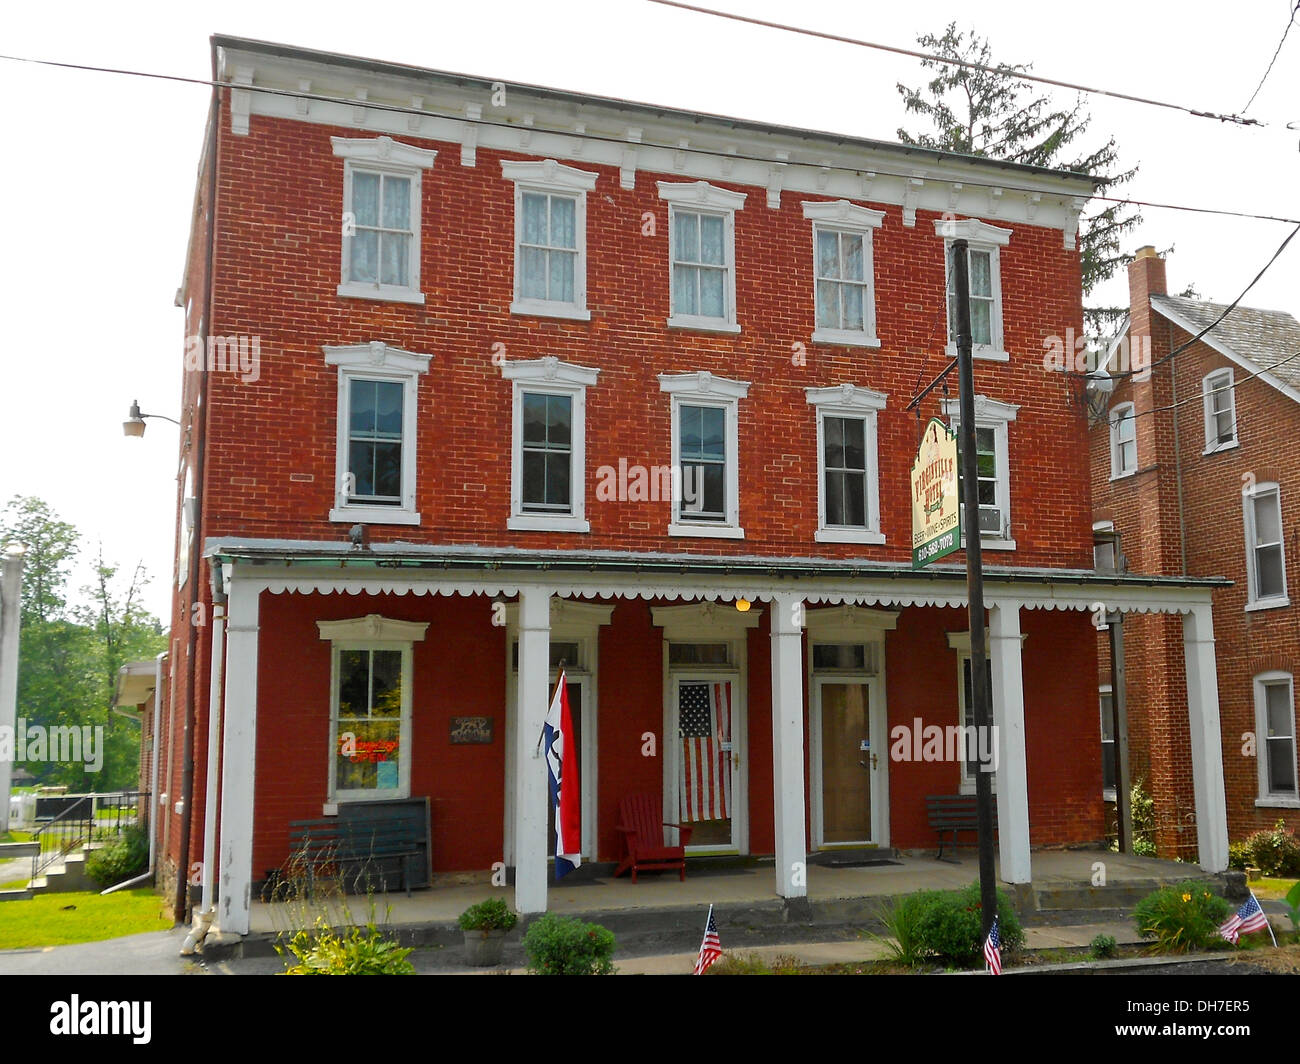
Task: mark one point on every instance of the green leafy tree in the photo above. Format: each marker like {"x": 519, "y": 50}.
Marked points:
{"x": 70, "y": 651}
{"x": 993, "y": 113}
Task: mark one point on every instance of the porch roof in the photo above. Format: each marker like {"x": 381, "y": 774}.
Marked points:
{"x": 470, "y": 558}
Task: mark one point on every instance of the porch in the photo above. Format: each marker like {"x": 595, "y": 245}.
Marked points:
{"x": 496, "y": 620}
{"x": 1064, "y": 881}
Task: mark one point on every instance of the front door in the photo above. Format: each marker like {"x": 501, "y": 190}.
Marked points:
{"x": 848, "y": 747}
{"x": 706, "y": 759}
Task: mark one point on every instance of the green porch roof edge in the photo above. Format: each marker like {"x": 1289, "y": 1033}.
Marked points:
{"x": 462, "y": 558}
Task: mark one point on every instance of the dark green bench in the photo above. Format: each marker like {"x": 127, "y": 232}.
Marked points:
{"x": 362, "y": 854}
{"x": 954, "y": 812}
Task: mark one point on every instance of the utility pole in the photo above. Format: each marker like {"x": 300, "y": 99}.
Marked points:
{"x": 970, "y": 530}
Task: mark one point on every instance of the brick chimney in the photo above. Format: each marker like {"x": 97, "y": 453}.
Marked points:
{"x": 1146, "y": 278}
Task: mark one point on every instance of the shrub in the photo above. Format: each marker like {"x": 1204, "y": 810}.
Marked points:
{"x": 1181, "y": 917}
{"x": 563, "y": 945}
{"x": 902, "y": 919}
{"x": 1293, "y": 905}
{"x": 358, "y": 951}
{"x": 950, "y": 925}
{"x": 490, "y": 915}
{"x": 127, "y": 857}
{"x": 1275, "y": 852}
{"x": 1102, "y": 947}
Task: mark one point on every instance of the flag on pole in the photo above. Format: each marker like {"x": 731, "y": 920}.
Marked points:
{"x": 993, "y": 950}
{"x": 562, "y": 770}
{"x": 710, "y": 948}
{"x": 1250, "y": 917}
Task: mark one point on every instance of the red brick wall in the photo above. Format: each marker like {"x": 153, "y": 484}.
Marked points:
{"x": 279, "y": 252}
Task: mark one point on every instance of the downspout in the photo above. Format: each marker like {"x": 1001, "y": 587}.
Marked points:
{"x": 153, "y": 780}
{"x": 208, "y": 905}
{"x": 1178, "y": 452}
{"x": 196, "y": 554}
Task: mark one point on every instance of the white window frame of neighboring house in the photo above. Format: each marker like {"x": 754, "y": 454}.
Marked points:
{"x": 384, "y": 156}
{"x": 704, "y": 389}
{"x": 1255, "y": 601}
{"x": 375, "y": 361}
{"x": 549, "y": 376}
{"x": 995, "y": 415}
{"x": 1104, "y": 692}
{"x": 1219, "y": 383}
{"x": 1123, "y": 414}
{"x": 372, "y": 632}
{"x": 1267, "y": 796}
{"x": 699, "y": 197}
{"x": 849, "y": 401}
{"x": 552, "y": 179}
{"x": 982, "y": 237}
{"x": 845, "y": 218}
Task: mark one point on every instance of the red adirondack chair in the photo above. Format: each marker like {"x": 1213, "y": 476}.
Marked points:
{"x": 643, "y": 837}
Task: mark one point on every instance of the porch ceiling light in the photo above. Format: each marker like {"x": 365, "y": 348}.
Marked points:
{"x": 742, "y": 605}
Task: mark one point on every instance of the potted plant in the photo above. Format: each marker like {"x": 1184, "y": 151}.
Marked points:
{"x": 486, "y": 924}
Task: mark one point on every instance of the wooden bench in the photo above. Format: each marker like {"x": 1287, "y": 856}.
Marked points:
{"x": 362, "y": 851}
{"x": 954, "y": 812}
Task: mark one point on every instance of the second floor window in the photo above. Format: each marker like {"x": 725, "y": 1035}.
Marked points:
{"x": 705, "y": 443}
{"x": 375, "y": 441}
{"x": 1123, "y": 441}
{"x": 848, "y": 485}
{"x": 1276, "y": 745}
{"x": 547, "y": 453}
{"x": 1265, "y": 561}
{"x": 992, "y": 468}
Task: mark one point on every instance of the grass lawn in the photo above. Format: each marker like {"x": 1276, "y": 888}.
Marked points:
{"x": 15, "y": 836}
{"x": 1268, "y": 887}
{"x": 62, "y": 919}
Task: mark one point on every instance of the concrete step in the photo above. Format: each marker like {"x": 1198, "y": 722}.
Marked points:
{"x": 1119, "y": 896}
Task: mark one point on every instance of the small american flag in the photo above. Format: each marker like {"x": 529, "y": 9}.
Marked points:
{"x": 993, "y": 950}
{"x": 710, "y": 948}
{"x": 1250, "y": 917}
{"x": 704, "y": 727}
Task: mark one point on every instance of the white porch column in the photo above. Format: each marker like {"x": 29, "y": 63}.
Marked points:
{"x": 237, "y": 761}
{"x": 530, "y": 769}
{"x": 1207, "y": 748}
{"x": 787, "y": 746}
{"x": 11, "y": 593}
{"x": 1009, "y": 721}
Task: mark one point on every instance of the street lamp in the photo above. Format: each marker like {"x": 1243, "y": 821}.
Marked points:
{"x": 134, "y": 425}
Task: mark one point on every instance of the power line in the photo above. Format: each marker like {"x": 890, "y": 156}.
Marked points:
{"x": 1235, "y": 384}
{"x": 1236, "y": 119}
{"x": 298, "y": 94}
{"x": 1290, "y": 22}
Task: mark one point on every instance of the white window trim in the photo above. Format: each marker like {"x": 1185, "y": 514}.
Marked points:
{"x": 552, "y": 178}
{"x": 1253, "y": 599}
{"x": 700, "y": 196}
{"x": 847, "y": 400}
{"x": 1208, "y": 387}
{"x": 844, "y": 217}
{"x": 979, "y": 236}
{"x": 995, "y": 415}
{"x": 1107, "y": 793}
{"x": 376, "y": 361}
{"x": 387, "y": 156}
{"x": 1267, "y": 799}
{"x": 704, "y": 389}
{"x": 372, "y": 632}
{"x": 1122, "y": 412}
{"x": 551, "y": 376}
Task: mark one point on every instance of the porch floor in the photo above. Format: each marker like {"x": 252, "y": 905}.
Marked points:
{"x": 1065, "y": 872}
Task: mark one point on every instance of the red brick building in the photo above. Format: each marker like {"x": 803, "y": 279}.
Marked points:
{"x": 485, "y": 377}
{"x": 1192, "y": 469}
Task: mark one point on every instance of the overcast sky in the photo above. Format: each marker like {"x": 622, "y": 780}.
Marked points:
{"x": 99, "y": 168}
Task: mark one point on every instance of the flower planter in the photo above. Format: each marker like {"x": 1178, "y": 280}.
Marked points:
{"x": 483, "y": 949}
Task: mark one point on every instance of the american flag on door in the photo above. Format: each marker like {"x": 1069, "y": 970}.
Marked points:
{"x": 704, "y": 725}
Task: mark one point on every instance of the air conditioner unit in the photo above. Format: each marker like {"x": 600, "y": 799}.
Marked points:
{"x": 990, "y": 520}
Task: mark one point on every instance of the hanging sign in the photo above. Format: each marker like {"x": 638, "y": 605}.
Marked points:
{"x": 935, "y": 513}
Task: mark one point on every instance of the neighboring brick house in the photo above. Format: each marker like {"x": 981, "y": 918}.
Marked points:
{"x": 1195, "y": 470}
{"x": 495, "y": 326}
